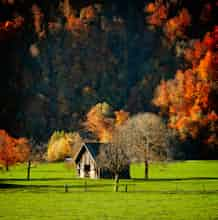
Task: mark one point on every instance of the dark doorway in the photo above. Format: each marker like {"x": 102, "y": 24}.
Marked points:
{"x": 87, "y": 170}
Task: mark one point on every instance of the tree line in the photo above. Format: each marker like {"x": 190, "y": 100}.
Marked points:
{"x": 61, "y": 60}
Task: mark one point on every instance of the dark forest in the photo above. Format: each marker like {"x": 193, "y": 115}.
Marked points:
{"x": 60, "y": 58}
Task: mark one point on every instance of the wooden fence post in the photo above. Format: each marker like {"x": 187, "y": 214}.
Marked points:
{"x": 126, "y": 188}
{"x": 28, "y": 169}
{"x": 66, "y": 188}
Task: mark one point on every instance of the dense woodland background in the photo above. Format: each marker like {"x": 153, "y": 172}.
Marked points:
{"x": 60, "y": 58}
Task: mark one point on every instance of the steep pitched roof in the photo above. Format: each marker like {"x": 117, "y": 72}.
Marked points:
{"x": 92, "y": 147}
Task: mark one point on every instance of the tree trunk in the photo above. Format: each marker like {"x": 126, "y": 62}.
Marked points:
{"x": 146, "y": 169}
{"x": 116, "y": 183}
{"x": 28, "y": 169}
{"x": 7, "y": 167}
{"x": 146, "y": 160}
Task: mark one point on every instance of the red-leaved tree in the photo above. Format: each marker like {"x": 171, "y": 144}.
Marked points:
{"x": 12, "y": 150}
{"x": 188, "y": 98}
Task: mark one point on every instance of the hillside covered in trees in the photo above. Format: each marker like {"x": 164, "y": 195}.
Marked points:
{"x": 60, "y": 58}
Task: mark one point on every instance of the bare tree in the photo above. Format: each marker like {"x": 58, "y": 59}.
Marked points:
{"x": 146, "y": 138}
{"x": 114, "y": 157}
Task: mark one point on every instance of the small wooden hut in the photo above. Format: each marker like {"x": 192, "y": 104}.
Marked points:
{"x": 86, "y": 165}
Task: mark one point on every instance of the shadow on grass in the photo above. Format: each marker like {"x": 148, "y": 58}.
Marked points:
{"x": 104, "y": 188}
{"x": 38, "y": 179}
{"x": 174, "y": 179}
{"x": 87, "y": 185}
{"x": 11, "y": 186}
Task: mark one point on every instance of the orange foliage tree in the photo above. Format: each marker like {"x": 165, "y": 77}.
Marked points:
{"x": 175, "y": 27}
{"x": 102, "y": 121}
{"x": 187, "y": 97}
{"x": 12, "y": 150}
{"x": 157, "y": 13}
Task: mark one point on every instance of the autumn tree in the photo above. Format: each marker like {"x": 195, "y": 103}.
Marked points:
{"x": 7, "y": 150}
{"x": 63, "y": 144}
{"x": 12, "y": 150}
{"x": 121, "y": 117}
{"x": 146, "y": 138}
{"x": 188, "y": 98}
{"x": 158, "y": 16}
{"x": 102, "y": 121}
{"x": 23, "y": 149}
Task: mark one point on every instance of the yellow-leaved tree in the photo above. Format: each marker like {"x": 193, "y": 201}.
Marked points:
{"x": 62, "y": 145}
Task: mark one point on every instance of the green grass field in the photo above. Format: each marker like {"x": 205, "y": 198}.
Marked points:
{"x": 176, "y": 190}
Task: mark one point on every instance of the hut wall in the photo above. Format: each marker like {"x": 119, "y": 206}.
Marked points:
{"x": 93, "y": 173}
{"x": 87, "y": 166}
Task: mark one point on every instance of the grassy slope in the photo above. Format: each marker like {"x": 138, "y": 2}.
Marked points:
{"x": 165, "y": 198}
